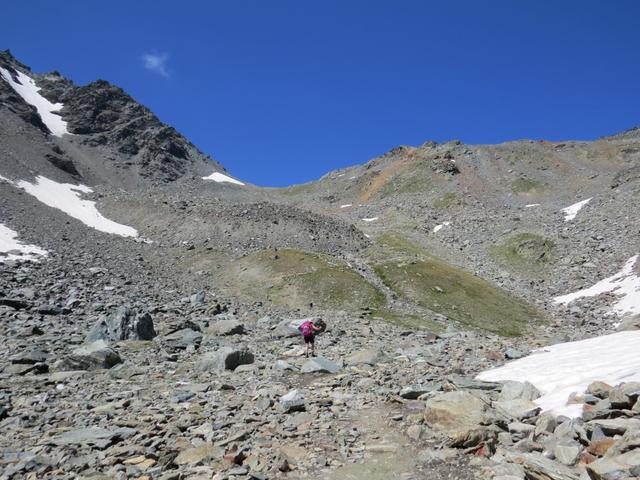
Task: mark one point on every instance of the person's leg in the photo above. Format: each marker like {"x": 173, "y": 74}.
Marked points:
{"x": 313, "y": 345}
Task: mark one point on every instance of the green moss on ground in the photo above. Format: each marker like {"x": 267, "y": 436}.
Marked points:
{"x": 406, "y": 183}
{"x": 416, "y": 276}
{"x": 294, "y": 279}
{"x": 447, "y": 201}
{"x": 525, "y": 251}
{"x": 526, "y": 185}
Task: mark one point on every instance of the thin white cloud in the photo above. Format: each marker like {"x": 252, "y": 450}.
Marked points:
{"x": 156, "y": 62}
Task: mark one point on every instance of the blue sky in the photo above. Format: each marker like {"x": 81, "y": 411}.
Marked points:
{"x": 281, "y": 92}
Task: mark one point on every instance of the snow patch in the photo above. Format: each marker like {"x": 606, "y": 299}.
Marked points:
{"x": 372, "y": 219}
{"x": 220, "y": 178}
{"x": 12, "y": 249}
{"x": 566, "y": 368}
{"x": 26, "y": 87}
{"x": 437, "y": 228}
{"x": 531, "y": 205}
{"x": 346, "y": 205}
{"x": 66, "y": 197}
{"x": 572, "y": 210}
{"x": 625, "y": 284}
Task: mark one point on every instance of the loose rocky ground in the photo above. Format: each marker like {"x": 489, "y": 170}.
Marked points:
{"x": 175, "y": 355}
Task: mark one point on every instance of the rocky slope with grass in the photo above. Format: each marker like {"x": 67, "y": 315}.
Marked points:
{"x": 149, "y": 303}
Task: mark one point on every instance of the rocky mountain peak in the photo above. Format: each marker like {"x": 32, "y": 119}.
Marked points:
{"x": 119, "y": 139}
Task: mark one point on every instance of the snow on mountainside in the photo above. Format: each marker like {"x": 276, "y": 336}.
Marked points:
{"x": 222, "y": 178}
{"x": 26, "y": 87}
{"x": 561, "y": 370}
{"x": 66, "y": 197}
{"x": 624, "y": 284}
{"x": 12, "y": 249}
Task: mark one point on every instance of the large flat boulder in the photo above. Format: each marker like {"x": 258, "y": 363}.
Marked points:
{"x": 320, "y": 365}
{"x": 226, "y": 327}
{"x": 455, "y": 412}
{"x": 227, "y": 358}
{"x": 368, "y": 356}
{"x": 95, "y": 356}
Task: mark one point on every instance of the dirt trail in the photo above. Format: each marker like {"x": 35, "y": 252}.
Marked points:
{"x": 388, "y": 454}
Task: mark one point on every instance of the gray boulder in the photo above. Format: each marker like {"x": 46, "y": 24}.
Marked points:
{"x": 95, "y": 356}
{"x": 320, "y": 365}
{"x": 124, "y": 324}
{"x": 455, "y": 412}
{"x": 226, "y": 327}
{"x": 368, "y": 356}
{"x": 518, "y": 409}
{"x": 182, "y": 339}
{"x": 227, "y": 358}
{"x": 625, "y": 395}
{"x": 98, "y": 437}
{"x": 512, "y": 390}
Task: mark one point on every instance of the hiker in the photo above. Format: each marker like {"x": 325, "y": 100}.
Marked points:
{"x": 308, "y": 329}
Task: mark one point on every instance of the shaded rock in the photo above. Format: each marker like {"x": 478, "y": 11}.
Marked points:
{"x": 412, "y": 392}
{"x": 292, "y": 402}
{"x": 513, "y": 354}
{"x": 123, "y": 324}
{"x": 517, "y": 408}
{"x": 95, "y": 356}
{"x": 625, "y": 395}
{"x": 29, "y": 357}
{"x": 599, "y": 389}
{"x": 99, "y": 437}
{"x": 226, "y": 327}
{"x": 546, "y": 423}
{"x": 614, "y": 426}
{"x": 182, "y": 339}
{"x": 227, "y": 358}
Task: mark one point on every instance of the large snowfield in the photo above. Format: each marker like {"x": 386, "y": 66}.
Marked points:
{"x": 26, "y": 87}
{"x": 566, "y": 368}
{"x": 12, "y": 249}
{"x": 67, "y": 198}
{"x": 222, "y": 178}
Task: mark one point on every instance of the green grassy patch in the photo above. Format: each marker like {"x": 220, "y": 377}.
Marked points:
{"x": 459, "y": 295}
{"x": 416, "y": 276}
{"x": 525, "y": 251}
{"x": 406, "y": 183}
{"x": 526, "y": 185}
{"x": 294, "y": 279}
{"x": 447, "y": 201}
